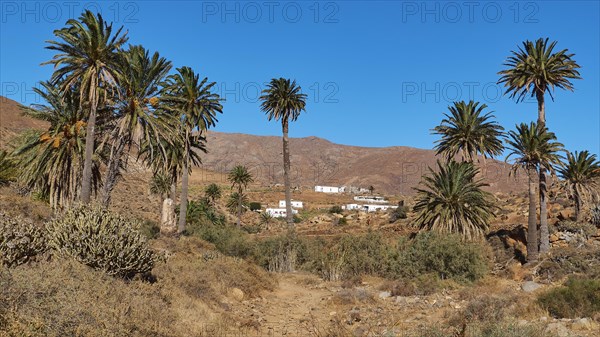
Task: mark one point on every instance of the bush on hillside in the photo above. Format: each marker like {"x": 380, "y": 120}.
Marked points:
{"x": 447, "y": 256}
{"x": 102, "y": 240}
{"x": 577, "y": 298}
{"x": 20, "y": 241}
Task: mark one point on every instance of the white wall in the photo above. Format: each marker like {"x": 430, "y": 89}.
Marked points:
{"x": 327, "y": 189}
{"x": 295, "y": 204}
{"x": 279, "y": 212}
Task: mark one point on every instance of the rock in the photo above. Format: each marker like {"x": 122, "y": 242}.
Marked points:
{"x": 530, "y": 286}
{"x": 583, "y": 324}
{"x": 558, "y": 329}
{"x": 354, "y": 316}
{"x": 168, "y": 222}
{"x": 237, "y": 294}
{"x": 385, "y": 294}
{"x": 333, "y": 313}
{"x": 554, "y": 238}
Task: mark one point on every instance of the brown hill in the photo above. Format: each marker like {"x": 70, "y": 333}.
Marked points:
{"x": 316, "y": 161}
{"x": 12, "y": 121}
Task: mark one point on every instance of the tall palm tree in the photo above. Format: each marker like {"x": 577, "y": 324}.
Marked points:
{"x": 51, "y": 162}
{"x": 534, "y": 70}
{"x": 196, "y": 106}
{"x": 580, "y": 173}
{"x": 213, "y": 193}
{"x": 452, "y": 201}
{"x": 283, "y": 101}
{"x": 532, "y": 147}
{"x": 469, "y": 131}
{"x": 136, "y": 119}
{"x": 239, "y": 177}
{"x": 88, "y": 59}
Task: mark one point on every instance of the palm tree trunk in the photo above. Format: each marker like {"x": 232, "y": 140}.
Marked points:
{"x": 112, "y": 171}
{"x": 544, "y": 233}
{"x": 86, "y": 184}
{"x": 578, "y": 206}
{"x": 184, "y": 192}
{"x": 286, "y": 174}
{"x": 532, "y": 235}
{"x": 239, "y": 208}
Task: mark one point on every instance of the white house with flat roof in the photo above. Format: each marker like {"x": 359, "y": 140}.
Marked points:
{"x": 329, "y": 189}
{"x": 367, "y": 207}
{"x": 279, "y": 212}
{"x": 295, "y": 204}
{"x": 371, "y": 198}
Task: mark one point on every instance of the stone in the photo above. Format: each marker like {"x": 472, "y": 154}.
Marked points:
{"x": 557, "y": 328}
{"x": 530, "y": 286}
{"x": 583, "y": 324}
{"x": 168, "y": 221}
{"x": 237, "y": 294}
{"x": 385, "y": 294}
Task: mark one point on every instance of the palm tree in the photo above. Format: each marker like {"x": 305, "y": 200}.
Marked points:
{"x": 8, "y": 171}
{"x": 213, "y": 193}
{"x": 135, "y": 120}
{"x": 533, "y": 147}
{"x": 51, "y": 162}
{"x": 196, "y": 106}
{"x": 88, "y": 59}
{"x": 239, "y": 177}
{"x": 452, "y": 201}
{"x": 237, "y": 203}
{"x": 283, "y": 101}
{"x": 469, "y": 131}
{"x": 580, "y": 173}
{"x": 534, "y": 70}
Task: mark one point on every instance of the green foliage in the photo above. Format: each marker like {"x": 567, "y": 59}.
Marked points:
{"x": 201, "y": 212}
{"x": 469, "y": 131}
{"x": 281, "y": 253}
{"x": 160, "y": 184}
{"x": 8, "y": 170}
{"x": 255, "y": 206}
{"x": 401, "y": 212}
{"x": 569, "y": 261}
{"x": 580, "y": 175}
{"x": 20, "y": 241}
{"x": 535, "y": 67}
{"x": 102, "y": 240}
{"x": 446, "y": 256}
{"x": 577, "y": 298}
{"x": 229, "y": 240}
{"x": 213, "y": 192}
{"x": 336, "y": 209}
{"x": 452, "y": 201}
{"x": 283, "y": 100}
{"x": 237, "y": 202}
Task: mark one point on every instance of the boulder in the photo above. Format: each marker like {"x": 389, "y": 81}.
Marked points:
{"x": 530, "y": 286}
{"x": 557, "y": 329}
{"x": 584, "y": 324}
{"x": 237, "y": 294}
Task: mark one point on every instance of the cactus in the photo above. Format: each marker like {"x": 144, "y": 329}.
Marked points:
{"x": 20, "y": 241}
{"x": 102, "y": 240}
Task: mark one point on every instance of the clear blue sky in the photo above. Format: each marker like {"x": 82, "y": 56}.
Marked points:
{"x": 376, "y": 73}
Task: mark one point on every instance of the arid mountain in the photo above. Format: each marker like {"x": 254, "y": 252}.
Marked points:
{"x": 12, "y": 121}
{"x": 315, "y": 161}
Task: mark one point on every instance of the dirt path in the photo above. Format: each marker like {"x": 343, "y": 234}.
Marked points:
{"x": 295, "y": 308}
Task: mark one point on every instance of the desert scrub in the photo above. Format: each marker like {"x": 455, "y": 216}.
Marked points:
{"x": 577, "y": 298}
{"x": 20, "y": 241}
{"x": 102, "y": 240}
{"x": 446, "y": 256}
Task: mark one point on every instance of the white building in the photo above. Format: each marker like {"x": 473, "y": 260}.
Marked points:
{"x": 351, "y": 207}
{"x": 329, "y": 189}
{"x": 295, "y": 204}
{"x": 370, "y": 198}
{"x": 279, "y": 212}
{"x": 367, "y": 207}
{"x": 375, "y": 208}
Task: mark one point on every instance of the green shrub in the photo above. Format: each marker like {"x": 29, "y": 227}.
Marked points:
{"x": 570, "y": 260}
{"x": 586, "y": 229}
{"x": 150, "y": 229}
{"x": 281, "y": 253}
{"x": 401, "y": 212}
{"x": 20, "y": 241}
{"x": 444, "y": 255}
{"x": 595, "y": 215}
{"x": 336, "y": 209}
{"x": 255, "y": 206}
{"x": 577, "y": 298}
{"x": 228, "y": 239}
{"x": 102, "y": 240}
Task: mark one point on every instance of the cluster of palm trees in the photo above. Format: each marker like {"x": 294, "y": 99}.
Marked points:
{"x": 452, "y": 200}
{"x": 108, "y": 102}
